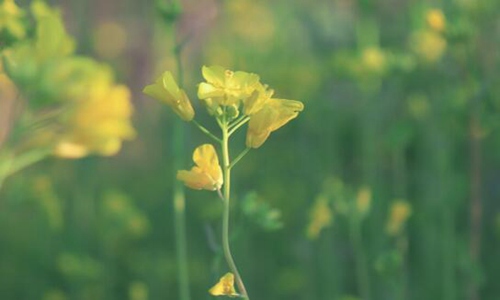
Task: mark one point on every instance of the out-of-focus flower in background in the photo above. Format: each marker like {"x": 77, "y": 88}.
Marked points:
{"x": 399, "y": 213}
{"x": 99, "y": 121}
{"x": 320, "y": 217}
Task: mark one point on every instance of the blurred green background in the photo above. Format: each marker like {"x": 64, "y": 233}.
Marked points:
{"x": 387, "y": 185}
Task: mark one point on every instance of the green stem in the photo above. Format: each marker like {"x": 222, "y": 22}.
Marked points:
{"x": 225, "y": 219}
{"x": 206, "y": 131}
{"x": 239, "y": 157}
{"x": 178, "y": 193}
{"x": 362, "y": 275}
{"x": 238, "y": 125}
{"x": 10, "y": 164}
{"x": 235, "y": 122}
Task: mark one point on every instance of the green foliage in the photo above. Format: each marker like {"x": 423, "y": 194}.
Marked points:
{"x": 405, "y": 106}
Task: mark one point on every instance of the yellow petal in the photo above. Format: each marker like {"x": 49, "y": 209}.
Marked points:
{"x": 207, "y": 174}
{"x": 206, "y": 90}
{"x": 225, "y": 286}
{"x": 275, "y": 114}
{"x": 195, "y": 179}
{"x": 257, "y": 100}
{"x": 214, "y": 75}
{"x": 165, "y": 89}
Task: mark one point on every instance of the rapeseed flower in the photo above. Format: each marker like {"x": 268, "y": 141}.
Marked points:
{"x": 165, "y": 89}
{"x": 436, "y": 20}
{"x": 207, "y": 174}
{"x": 321, "y": 216}
{"x": 226, "y": 87}
{"x": 98, "y": 120}
{"x": 225, "y": 286}
{"x": 273, "y": 115}
{"x": 399, "y": 213}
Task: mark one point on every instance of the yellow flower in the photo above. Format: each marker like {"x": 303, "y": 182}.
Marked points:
{"x": 166, "y": 89}
{"x": 11, "y": 19}
{"x": 374, "y": 59}
{"x": 207, "y": 174}
{"x": 226, "y": 87}
{"x": 225, "y": 286}
{"x": 363, "y": 200}
{"x": 400, "y": 212}
{"x": 275, "y": 114}
{"x": 99, "y": 119}
{"x": 429, "y": 45}
{"x": 436, "y": 20}
{"x": 257, "y": 100}
{"x": 321, "y": 217}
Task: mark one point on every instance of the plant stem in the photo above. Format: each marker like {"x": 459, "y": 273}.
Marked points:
{"x": 239, "y": 157}
{"x": 363, "y": 278}
{"x": 178, "y": 193}
{"x": 206, "y": 131}
{"x": 238, "y": 125}
{"x": 225, "y": 218}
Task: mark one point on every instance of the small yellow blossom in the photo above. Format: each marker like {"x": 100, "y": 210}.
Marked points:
{"x": 226, "y": 87}
{"x": 363, "y": 200}
{"x": 11, "y": 19}
{"x": 321, "y": 216}
{"x": 275, "y": 114}
{"x": 225, "y": 286}
{"x": 207, "y": 174}
{"x": 436, "y": 20}
{"x": 166, "y": 89}
{"x": 400, "y": 212}
{"x": 374, "y": 59}
{"x": 428, "y": 45}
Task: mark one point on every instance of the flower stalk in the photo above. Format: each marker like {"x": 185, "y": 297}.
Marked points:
{"x": 225, "y": 218}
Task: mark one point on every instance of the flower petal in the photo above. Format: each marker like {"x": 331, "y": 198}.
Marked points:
{"x": 275, "y": 114}
{"x": 225, "y": 286}
{"x": 207, "y": 174}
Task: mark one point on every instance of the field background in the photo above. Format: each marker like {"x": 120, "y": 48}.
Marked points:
{"x": 395, "y": 112}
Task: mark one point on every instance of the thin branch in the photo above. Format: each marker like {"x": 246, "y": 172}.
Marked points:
{"x": 207, "y": 132}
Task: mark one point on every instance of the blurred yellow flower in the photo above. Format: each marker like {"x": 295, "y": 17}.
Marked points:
{"x": 225, "y": 286}
{"x": 435, "y": 19}
{"x": 99, "y": 119}
{"x": 226, "y": 87}
{"x": 11, "y": 19}
{"x": 428, "y": 45}
{"x": 52, "y": 40}
{"x": 138, "y": 290}
{"x": 207, "y": 174}
{"x": 165, "y": 89}
{"x": 363, "y": 200}
{"x": 321, "y": 216}
{"x": 275, "y": 114}
{"x": 400, "y": 212}
{"x": 374, "y": 59}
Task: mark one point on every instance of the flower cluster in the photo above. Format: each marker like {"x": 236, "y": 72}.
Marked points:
{"x": 233, "y": 99}
{"x": 82, "y": 109}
